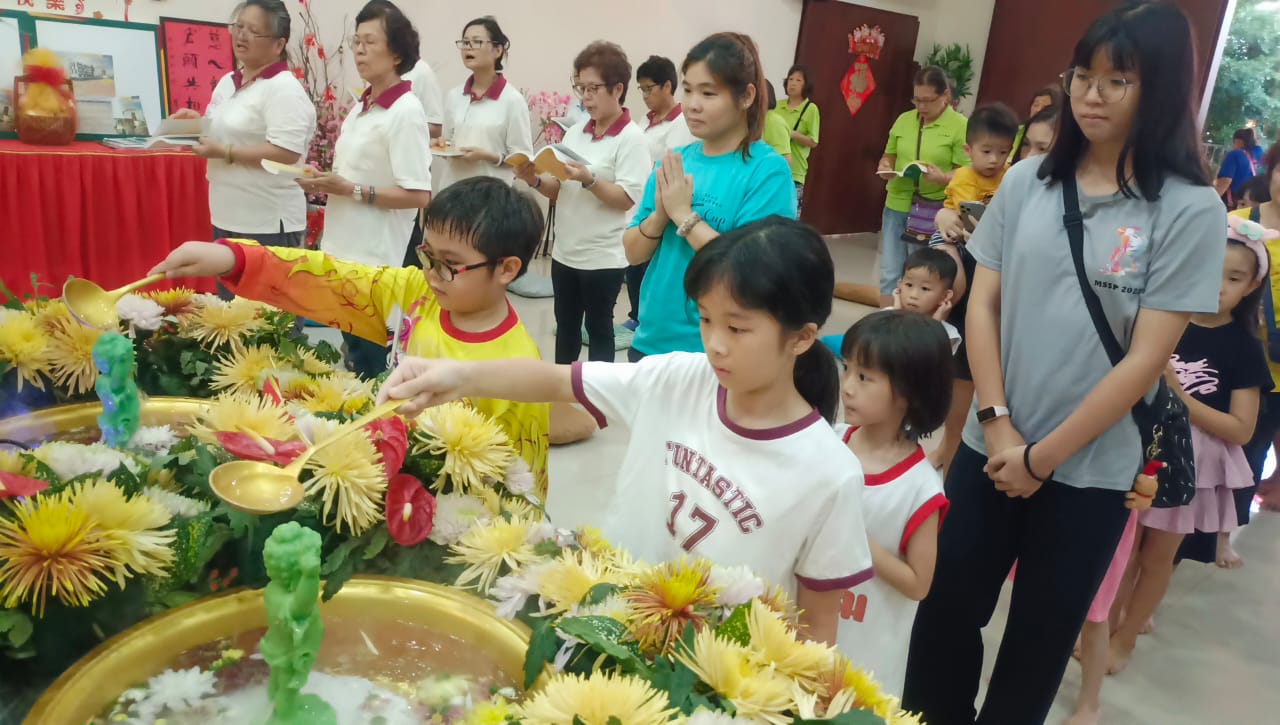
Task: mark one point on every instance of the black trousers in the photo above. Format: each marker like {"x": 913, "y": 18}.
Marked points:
{"x": 635, "y": 277}
{"x": 1063, "y": 539}
{"x": 364, "y": 357}
{"x": 589, "y": 293}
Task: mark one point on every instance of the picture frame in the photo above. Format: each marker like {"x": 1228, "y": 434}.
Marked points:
{"x": 194, "y": 56}
{"x": 116, "y": 57}
{"x": 17, "y": 36}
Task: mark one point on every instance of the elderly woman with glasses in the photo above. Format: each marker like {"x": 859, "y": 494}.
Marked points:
{"x": 592, "y": 203}
{"x": 259, "y": 112}
{"x": 381, "y": 164}
{"x": 486, "y": 119}
{"x": 933, "y": 135}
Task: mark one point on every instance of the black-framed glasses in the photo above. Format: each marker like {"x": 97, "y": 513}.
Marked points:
{"x": 582, "y": 90}
{"x": 237, "y": 29}
{"x": 1111, "y": 89}
{"x": 449, "y": 273}
{"x": 646, "y": 89}
{"x": 469, "y": 44}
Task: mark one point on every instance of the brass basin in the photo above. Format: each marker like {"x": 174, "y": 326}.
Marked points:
{"x": 79, "y": 421}
{"x": 147, "y": 649}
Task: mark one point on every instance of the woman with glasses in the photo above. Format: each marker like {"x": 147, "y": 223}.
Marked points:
{"x": 588, "y": 261}
{"x": 381, "y": 164}
{"x": 802, "y": 118}
{"x": 485, "y": 119}
{"x": 933, "y": 134}
{"x": 1052, "y": 449}
{"x": 259, "y": 111}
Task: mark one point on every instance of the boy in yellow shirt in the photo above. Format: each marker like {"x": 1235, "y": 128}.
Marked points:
{"x": 480, "y": 235}
{"x": 988, "y": 143}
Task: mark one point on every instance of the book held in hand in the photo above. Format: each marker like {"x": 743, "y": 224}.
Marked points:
{"x": 913, "y": 171}
{"x": 550, "y": 160}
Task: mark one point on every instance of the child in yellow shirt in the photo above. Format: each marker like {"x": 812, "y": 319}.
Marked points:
{"x": 480, "y": 235}
{"x": 988, "y": 143}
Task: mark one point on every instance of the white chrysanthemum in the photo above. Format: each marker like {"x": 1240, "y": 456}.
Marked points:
{"x": 511, "y": 592}
{"x": 456, "y": 513}
{"x": 139, "y": 313}
{"x": 72, "y": 460}
{"x": 175, "y": 691}
{"x": 613, "y": 607}
{"x": 519, "y": 478}
{"x": 156, "y": 440}
{"x": 179, "y": 506}
{"x": 735, "y": 585}
{"x": 542, "y": 531}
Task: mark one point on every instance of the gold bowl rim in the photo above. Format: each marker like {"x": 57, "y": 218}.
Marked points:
{"x": 37, "y": 425}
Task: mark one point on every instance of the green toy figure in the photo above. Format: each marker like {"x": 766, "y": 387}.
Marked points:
{"x": 121, "y": 403}
{"x": 294, "y": 628}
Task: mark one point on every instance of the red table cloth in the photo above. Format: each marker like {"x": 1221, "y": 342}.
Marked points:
{"x": 104, "y": 214}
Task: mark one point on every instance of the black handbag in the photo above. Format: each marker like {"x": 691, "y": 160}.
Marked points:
{"x": 1163, "y": 423}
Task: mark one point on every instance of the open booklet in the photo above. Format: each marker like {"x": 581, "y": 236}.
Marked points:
{"x": 172, "y": 131}
{"x": 913, "y": 170}
{"x": 550, "y": 160}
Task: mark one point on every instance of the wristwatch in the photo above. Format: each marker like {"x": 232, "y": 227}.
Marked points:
{"x": 355, "y": 193}
{"x": 588, "y": 186}
{"x": 986, "y": 415}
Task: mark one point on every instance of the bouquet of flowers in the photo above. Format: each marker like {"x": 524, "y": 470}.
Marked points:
{"x": 685, "y": 641}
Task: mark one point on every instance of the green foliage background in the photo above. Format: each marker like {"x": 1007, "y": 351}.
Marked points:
{"x": 1249, "y": 76}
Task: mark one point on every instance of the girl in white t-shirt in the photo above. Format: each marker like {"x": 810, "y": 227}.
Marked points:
{"x": 897, "y": 387}
{"x": 730, "y": 457}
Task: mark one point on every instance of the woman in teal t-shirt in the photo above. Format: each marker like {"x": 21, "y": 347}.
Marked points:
{"x": 728, "y": 179}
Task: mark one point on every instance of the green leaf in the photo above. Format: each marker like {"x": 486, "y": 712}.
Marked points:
{"x": 17, "y": 625}
{"x": 339, "y": 555}
{"x": 377, "y": 542}
{"x": 605, "y": 635}
{"x": 613, "y": 720}
{"x": 11, "y": 301}
{"x": 578, "y": 721}
{"x": 853, "y": 717}
{"x": 735, "y": 627}
{"x": 599, "y": 593}
{"x": 677, "y": 680}
{"x": 543, "y": 645}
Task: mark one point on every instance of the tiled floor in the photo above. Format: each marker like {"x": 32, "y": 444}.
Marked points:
{"x": 1215, "y": 656}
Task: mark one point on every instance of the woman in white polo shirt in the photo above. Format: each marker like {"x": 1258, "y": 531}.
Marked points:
{"x": 381, "y": 164}
{"x": 485, "y": 118}
{"x": 258, "y": 112}
{"x": 588, "y": 261}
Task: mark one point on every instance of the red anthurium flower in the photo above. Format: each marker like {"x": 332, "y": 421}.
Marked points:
{"x": 391, "y": 437}
{"x": 247, "y": 448}
{"x": 411, "y": 510}
{"x": 11, "y": 485}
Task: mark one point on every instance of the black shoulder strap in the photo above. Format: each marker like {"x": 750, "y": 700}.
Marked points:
{"x": 801, "y": 116}
{"x": 1074, "y": 222}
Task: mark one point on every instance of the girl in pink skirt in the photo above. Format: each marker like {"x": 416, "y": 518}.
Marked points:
{"x": 1219, "y": 370}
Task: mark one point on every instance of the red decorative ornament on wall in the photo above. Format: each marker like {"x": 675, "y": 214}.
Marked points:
{"x": 858, "y": 83}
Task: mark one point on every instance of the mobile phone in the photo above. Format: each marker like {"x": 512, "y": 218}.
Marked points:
{"x": 973, "y": 209}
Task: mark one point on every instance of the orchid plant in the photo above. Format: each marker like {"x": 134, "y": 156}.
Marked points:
{"x": 543, "y": 107}
{"x": 321, "y": 73}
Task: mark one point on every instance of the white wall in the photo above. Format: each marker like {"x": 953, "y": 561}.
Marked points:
{"x": 547, "y": 34}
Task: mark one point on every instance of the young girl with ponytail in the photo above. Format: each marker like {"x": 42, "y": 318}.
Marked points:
{"x": 727, "y": 179}
{"x": 717, "y": 438}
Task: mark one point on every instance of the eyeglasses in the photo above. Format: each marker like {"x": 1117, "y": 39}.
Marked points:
{"x": 582, "y": 91}
{"x": 1111, "y": 89}
{"x": 236, "y": 29}
{"x": 468, "y": 44}
{"x": 925, "y": 101}
{"x": 645, "y": 90}
{"x": 356, "y": 41}
{"x": 446, "y": 272}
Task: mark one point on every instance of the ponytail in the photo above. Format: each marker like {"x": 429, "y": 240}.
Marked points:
{"x": 817, "y": 380}
{"x": 733, "y": 60}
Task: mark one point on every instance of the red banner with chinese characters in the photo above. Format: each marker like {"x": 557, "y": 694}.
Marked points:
{"x": 196, "y": 55}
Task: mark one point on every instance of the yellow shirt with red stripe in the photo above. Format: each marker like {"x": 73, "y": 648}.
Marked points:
{"x": 395, "y": 306}
{"x": 1273, "y": 251}
{"x": 968, "y": 185}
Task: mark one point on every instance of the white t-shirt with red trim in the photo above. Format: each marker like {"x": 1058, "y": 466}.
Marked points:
{"x": 875, "y": 618}
{"x": 785, "y": 502}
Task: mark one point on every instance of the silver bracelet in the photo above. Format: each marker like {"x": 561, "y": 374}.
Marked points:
{"x": 687, "y": 225}
{"x": 590, "y": 184}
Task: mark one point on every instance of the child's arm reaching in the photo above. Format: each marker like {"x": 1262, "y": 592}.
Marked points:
{"x": 819, "y": 613}
{"x": 913, "y": 576}
{"x": 426, "y": 383}
{"x": 1234, "y": 426}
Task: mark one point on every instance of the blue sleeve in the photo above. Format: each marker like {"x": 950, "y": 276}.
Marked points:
{"x": 646, "y": 200}
{"x": 1230, "y": 165}
{"x": 770, "y": 190}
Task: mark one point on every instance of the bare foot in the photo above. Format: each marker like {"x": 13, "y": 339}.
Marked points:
{"x": 1121, "y": 653}
{"x": 1227, "y": 557}
{"x": 1084, "y": 715}
{"x": 1149, "y": 626}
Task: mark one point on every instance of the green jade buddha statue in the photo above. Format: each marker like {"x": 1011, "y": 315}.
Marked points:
{"x": 121, "y": 402}
{"x": 294, "y": 628}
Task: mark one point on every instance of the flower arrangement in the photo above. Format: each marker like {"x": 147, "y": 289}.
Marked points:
{"x": 187, "y": 345}
{"x": 543, "y": 107}
{"x": 684, "y": 641}
{"x": 313, "y": 64}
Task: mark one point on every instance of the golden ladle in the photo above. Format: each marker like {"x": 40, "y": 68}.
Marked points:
{"x": 96, "y": 307}
{"x": 259, "y": 488}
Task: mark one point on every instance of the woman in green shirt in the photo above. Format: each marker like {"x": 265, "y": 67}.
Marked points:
{"x": 776, "y": 133}
{"x": 801, "y": 116}
{"x": 933, "y": 134}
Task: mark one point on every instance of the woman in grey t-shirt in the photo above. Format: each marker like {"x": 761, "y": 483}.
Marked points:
{"x": 1051, "y": 448}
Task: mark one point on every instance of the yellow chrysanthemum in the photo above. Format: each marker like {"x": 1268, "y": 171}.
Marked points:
{"x": 48, "y": 548}
{"x": 297, "y": 387}
{"x": 24, "y": 347}
{"x": 475, "y": 448}
{"x": 775, "y": 598}
{"x": 592, "y": 539}
{"x": 312, "y": 365}
{"x": 344, "y": 394}
{"x": 174, "y": 301}
{"x": 131, "y": 528}
{"x": 494, "y": 712}
{"x": 600, "y": 699}
{"x": 666, "y": 598}
{"x": 348, "y": 475}
{"x": 774, "y": 644}
{"x": 243, "y": 370}
{"x": 163, "y": 479}
{"x": 518, "y": 507}
{"x": 216, "y": 323}
{"x": 485, "y": 549}
{"x": 757, "y": 693}
{"x": 71, "y": 350}
{"x": 241, "y": 413}
{"x": 566, "y": 580}
{"x": 11, "y": 462}
{"x": 844, "y": 687}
